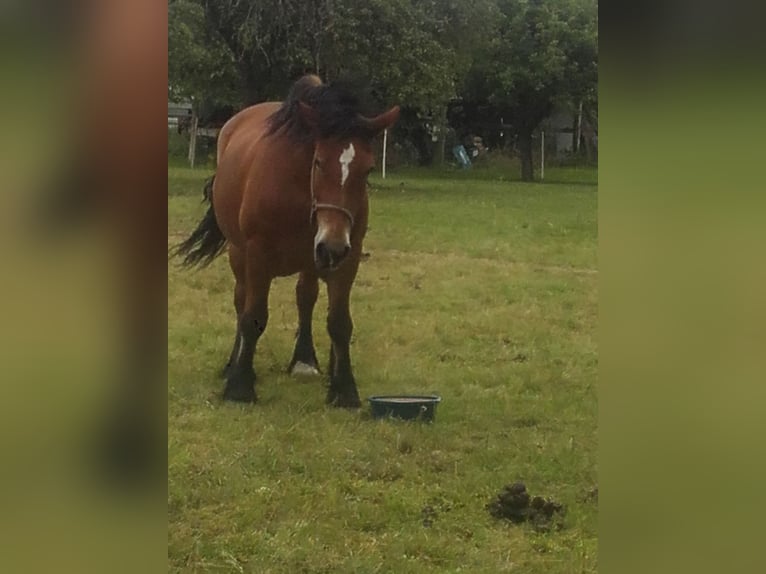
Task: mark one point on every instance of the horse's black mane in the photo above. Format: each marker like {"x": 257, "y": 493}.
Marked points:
{"x": 337, "y": 108}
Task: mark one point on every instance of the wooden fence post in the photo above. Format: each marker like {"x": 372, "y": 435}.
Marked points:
{"x": 385, "y": 141}
{"x": 193, "y": 138}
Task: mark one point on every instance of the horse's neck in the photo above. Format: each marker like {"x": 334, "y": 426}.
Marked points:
{"x": 292, "y": 161}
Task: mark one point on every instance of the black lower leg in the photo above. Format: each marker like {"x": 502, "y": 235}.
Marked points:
{"x": 240, "y": 381}
{"x": 304, "y": 358}
{"x": 304, "y": 355}
{"x": 232, "y": 356}
{"x": 239, "y": 307}
{"x": 342, "y": 391}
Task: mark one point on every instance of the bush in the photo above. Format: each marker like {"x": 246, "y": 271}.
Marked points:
{"x": 178, "y": 149}
{"x": 178, "y": 145}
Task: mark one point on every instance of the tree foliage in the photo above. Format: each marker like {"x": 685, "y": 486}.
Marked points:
{"x": 543, "y": 53}
{"x": 200, "y": 67}
{"x": 517, "y": 57}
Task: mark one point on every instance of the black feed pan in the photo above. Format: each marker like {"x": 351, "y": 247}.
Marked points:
{"x": 406, "y": 407}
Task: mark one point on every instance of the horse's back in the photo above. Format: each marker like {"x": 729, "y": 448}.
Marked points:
{"x": 236, "y": 142}
{"x": 248, "y": 124}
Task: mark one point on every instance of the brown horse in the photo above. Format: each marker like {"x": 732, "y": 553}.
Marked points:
{"x": 290, "y": 196}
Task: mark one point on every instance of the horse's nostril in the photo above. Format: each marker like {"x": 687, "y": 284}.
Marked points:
{"x": 330, "y": 255}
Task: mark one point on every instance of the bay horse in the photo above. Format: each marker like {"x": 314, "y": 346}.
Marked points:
{"x": 290, "y": 196}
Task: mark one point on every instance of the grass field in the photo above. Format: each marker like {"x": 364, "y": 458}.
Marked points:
{"x": 481, "y": 290}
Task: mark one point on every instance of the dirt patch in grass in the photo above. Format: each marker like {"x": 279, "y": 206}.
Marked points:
{"x": 515, "y": 504}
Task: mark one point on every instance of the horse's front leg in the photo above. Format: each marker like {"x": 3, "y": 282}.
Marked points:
{"x": 342, "y": 391}
{"x": 304, "y": 361}
{"x": 240, "y": 381}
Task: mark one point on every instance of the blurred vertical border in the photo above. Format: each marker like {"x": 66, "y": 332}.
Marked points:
{"x": 682, "y": 225}
{"x": 84, "y": 249}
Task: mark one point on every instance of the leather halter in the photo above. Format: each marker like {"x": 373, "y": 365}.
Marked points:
{"x": 317, "y": 206}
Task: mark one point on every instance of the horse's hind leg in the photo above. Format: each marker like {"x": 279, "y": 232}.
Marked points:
{"x": 304, "y": 361}
{"x": 237, "y": 264}
{"x": 240, "y": 381}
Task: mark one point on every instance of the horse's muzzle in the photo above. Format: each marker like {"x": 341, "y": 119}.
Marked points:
{"x": 328, "y": 255}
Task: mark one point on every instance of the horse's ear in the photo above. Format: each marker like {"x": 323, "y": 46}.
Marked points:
{"x": 382, "y": 122}
{"x": 309, "y": 115}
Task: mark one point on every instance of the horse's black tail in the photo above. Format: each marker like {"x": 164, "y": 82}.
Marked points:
{"x": 207, "y": 241}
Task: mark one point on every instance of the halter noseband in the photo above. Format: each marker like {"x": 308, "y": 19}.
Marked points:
{"x": 317, "y": 206}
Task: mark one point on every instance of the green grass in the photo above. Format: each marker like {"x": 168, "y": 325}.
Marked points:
{"x": 480, "y": 290}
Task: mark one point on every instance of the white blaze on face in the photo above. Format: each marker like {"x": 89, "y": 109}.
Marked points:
{"x": 345, "y": 159}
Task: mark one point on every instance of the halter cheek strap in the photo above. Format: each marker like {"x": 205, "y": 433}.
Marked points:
{"x": 317, "y": 206}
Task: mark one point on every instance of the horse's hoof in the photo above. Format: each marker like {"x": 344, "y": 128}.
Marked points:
{"x": 302, "y": 369}
{"x": 348, "y": 400}
{"x": 240, "y": 393}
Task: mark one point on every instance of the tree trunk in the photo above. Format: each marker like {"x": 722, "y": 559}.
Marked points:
{"x": 578, "y": 129}
{"x": 587, "y": 133}
{"x": 253, "y": 83}
{"x": 440, "y": 143}
{"x": 525, "y": 153}
{"x": 440, "y": 146}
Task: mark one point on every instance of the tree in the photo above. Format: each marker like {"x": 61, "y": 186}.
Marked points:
{"x": 272, "y": 42}
{"x": 544, "y": 52}
{"x": 517, "y": 58}
{"x": 200, "y": 67}
{"x": 415, "y": 52}
{"x": 402, "y": 50}
{"x": 394, "y": 47}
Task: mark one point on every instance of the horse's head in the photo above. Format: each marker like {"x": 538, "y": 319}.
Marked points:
{"x": 339, "y": 171}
